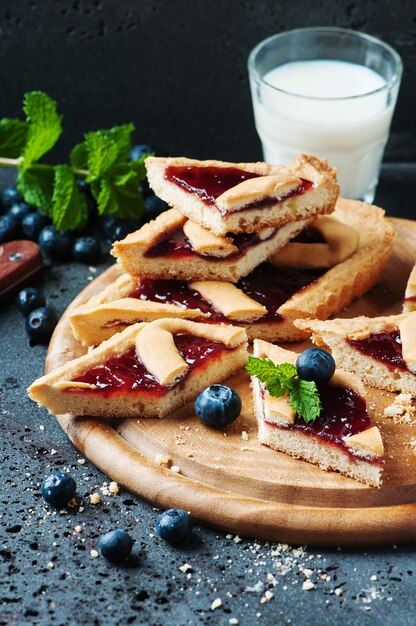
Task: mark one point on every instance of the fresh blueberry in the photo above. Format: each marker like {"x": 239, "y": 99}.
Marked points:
{"x": 9, "y": 227}
{"x": 174, "y": 526}
{"x": 115, "y": 545}
{"x": 30, "y": 299}
{"x": 86, "y": 249}
{"x": 153, "y": 206}
{"x": 55, "y": 243}
{"x": 218, "y": 406}
{"x": 315, "y": 364}
{"x": 33, "y": 223}
{"x": 40, "y": 324}
{"x": 58, "y": 489}
{"x": 140, "y": 150}
{"x": 20, "y": 210}
{"x": 9, "y": 196}
{"x": 123, "y": 229}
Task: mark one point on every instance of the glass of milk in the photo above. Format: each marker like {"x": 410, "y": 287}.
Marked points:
{"x": 329, "y": 92}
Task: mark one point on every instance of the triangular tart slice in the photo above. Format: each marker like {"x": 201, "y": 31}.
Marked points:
{"x": 148, "y": 370}
{"x": 244, "y": 197}
{"x": 343, "y": 438}
{"x": 380, "y": 350}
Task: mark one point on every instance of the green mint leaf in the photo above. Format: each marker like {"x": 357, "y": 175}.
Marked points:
{"x": 36, "y": 186}
{"x": 264, "y": 369}
{"x": 102, "y": 153}
{"x": 13, "y": 135}
{"x": 305, "y": 400}
{"x": 121, "y": 135}
{"x": 79, "y": 156}
{"x": 139, "y": 167}
{"x": 44, "y": 126}
{"x": 69, "y": 205}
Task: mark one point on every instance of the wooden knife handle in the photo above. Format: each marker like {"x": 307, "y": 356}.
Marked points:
{"x": 20, "y": 262}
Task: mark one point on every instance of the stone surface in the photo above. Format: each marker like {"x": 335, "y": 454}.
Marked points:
{"x": 48, "y": 575}
{"x": 176, "y": 69}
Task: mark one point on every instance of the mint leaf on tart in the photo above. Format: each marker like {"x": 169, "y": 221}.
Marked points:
{"x": 282, "y": 379}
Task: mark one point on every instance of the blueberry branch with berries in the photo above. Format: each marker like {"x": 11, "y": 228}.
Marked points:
{"x": 101, "y": 160}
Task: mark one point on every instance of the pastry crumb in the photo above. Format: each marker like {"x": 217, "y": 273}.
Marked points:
{"x": 81, "y": 461}
{"x": 244, "y": 435}
{"x": 163, "y": 460}
{"x": 338, "y": 591}
{"x": 78, "y": 529}
{"x": 237, "y": 539}
{"x": 175, "y": 469}
{"x": 233, "y": 621}
{"x": 95, "y": 498}
{"x": 216, "y": 604}
{"x": 402, "y": 409}
{"x": 185, "y": 568}
{"x": 113, "y": 487}
{"x": 308, "y": 585}
{"x": 94, "y": 554}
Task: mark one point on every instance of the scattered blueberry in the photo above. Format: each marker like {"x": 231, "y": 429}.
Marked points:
{"x": 153, "y": 206}
{"x": 33, "y": 223}
{"x": 30, "y": 299}
{"x": 58, "y": 489}
{"x": 82, "y": 185}
{"x": 86, "y": 249}
{"x": 174, "y": 526}
{"x": 9, "y": 196}
{"x": 20, "y": 210}
{"x": 123, "y": 229}
{"x": 108, "y": 225}
{"x": 115, "y": 545}
{"x": 218, "y": 406}
{"x": 315, "y": 364}
{"x": 140, "y": 150}
{"x": 40, "y": 324}
{"x": 9, "y": 228}
{"x": 55, "y": 243}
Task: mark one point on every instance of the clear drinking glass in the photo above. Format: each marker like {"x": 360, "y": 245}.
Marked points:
{"x": 311, "y": 117}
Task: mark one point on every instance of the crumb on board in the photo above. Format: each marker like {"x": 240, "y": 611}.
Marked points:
{"x": 95, "y": 498}
{"x": 401, "y": 410}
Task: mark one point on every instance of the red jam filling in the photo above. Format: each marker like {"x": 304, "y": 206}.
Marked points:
{"x": 177, "y": 246}
{"x": 210, "y": 182}
{"x": 410, "y": 299}
{"x": 207, "y": 182}
{"x": 344, "y": 413}
{"x": 384, "y": 347}
{"x": 125, "y": 373}
{"x": 267, "y": 284}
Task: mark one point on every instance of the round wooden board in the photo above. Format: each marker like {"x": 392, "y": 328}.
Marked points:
{"x": 234, "y": 483}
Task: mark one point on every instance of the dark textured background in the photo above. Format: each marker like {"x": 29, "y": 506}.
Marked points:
{"x": 177, "y": 68}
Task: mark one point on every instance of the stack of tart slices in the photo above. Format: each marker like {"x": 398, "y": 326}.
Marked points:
{"x": 247, "y": 251}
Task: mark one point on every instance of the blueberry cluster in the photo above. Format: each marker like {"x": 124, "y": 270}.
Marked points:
{"x": 40, "y": 319}
{"x": 19, "y": 220}
{"x": 174, "y": 525}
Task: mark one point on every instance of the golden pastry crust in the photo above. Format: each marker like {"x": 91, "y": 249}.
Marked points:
{"x": 229, "y": 300}
{"x": 409, "y": 303}
{"x": 131, "y": 252}
{"x": 341, "y": 241}
{"x": 352, "y": 278}
{"x": 274, "y": 186}
{"x": 275, "y": 417}
{"x": 205, "y": 242}
{"x": 336, "y": 333}
{"x": 58, "y": 394}
{"x": 319, "y": 199}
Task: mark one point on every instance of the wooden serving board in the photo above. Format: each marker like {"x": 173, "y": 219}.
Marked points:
{"x": 240, "y": 486}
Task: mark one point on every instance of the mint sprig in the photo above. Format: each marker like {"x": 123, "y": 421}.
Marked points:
{"x": 101, "y": 160}
{"x": 283, "y": 379}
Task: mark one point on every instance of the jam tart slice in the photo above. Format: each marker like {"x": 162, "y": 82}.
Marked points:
{"x": 278, "y": 295}
{"x": 171, "y": 246}
{"x": 409, "y": 303}
{"x": 148, "y": 370}
{"x": 380, "y": 350}
{"x": 342, "y": 438}
{"x": 244, "y": 197}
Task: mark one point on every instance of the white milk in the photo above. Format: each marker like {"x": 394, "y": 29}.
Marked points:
{"x": 308, "y": 116}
